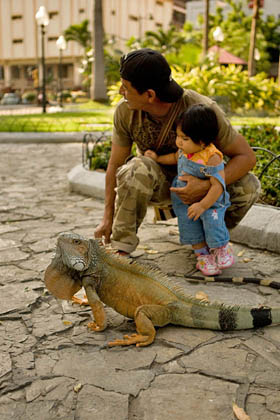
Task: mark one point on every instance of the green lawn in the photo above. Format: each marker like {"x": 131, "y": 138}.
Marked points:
{"x": 61, "y": 121}
{"x": 255, "y": 120}
{"x": 89, "y": 116}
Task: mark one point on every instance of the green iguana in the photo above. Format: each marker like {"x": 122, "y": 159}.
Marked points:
{"x": 143, "y": 294}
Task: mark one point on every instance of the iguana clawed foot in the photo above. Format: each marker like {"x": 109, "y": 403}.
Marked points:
{"x": 79, "y": 301}
{"x": 138, "y": 339}
{"x": 95, "y": 327}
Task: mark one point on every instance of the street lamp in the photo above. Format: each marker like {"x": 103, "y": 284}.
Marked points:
{"x": 218, "y": 36}
{"x": 42, "y": 19}
{"x": 61, "y": 45}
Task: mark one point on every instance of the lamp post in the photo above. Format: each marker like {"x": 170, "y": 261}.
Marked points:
{"x": 61, "y": 45}
{"x": 42, "y": 19}
{"x": 218, "y": 36}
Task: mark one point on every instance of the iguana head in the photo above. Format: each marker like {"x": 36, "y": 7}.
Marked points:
{"x": 74, "y": 251}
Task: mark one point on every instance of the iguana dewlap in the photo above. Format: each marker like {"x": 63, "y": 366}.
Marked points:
{"x": 140, "y": 293}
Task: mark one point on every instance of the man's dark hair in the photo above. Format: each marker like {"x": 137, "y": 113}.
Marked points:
{"x": 199, "y": 123}
{"x": 148, "y": 69}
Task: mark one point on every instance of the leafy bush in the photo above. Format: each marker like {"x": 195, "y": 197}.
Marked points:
{"x": 99, "y": 156}
{"x": 249, "y": 93}
{"x": 29, "y": 97}
{"x": 231, "y": 81}
{"x": 266, "y": 137}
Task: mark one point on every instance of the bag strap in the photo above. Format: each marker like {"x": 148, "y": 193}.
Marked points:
{"x": 173, "y": 112}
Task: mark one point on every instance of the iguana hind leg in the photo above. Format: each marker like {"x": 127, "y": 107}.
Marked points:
{"x": 82, "y": 302}
{"x": 146, "y": 316}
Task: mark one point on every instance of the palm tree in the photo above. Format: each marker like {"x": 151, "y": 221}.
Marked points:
{"x": 79, "y": 33}
{"x": 170, "y": 40}
{"x": 205, "y": 28}
{"x": 255, "y": 17}
{"x": 98, "y": 88}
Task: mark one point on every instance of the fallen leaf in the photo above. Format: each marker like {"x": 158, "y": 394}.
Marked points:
{"x": 67, "y": 322}
{"x": 151, "y": 251}
{"x": 239, "y": 412}
{"x": 78, "y": 387}
{"x": 143, "y": 247}
{"x": 241, "y": 253}
{"x": 246, "y": 260}
{"x": 202, "y": 296}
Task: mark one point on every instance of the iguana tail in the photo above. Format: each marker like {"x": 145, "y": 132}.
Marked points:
{"x": 237, "y": 280}
{"x": 219, "y": 316}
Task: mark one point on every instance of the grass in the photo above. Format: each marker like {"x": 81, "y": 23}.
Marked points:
{"x": 90, "y": 116}
{"x": 60, "y": 121}
{"x": 237, "y": 120}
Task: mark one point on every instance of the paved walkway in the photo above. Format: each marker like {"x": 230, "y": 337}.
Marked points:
{"x": 52, "y": 367}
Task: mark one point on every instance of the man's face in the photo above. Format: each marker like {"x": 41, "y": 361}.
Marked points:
{"x": 134, "y": 99}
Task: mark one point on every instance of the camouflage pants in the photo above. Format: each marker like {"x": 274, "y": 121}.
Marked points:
{"x": 141, "y": 182}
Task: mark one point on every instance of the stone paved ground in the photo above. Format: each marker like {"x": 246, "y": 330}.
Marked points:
{"x": 51, "y": 367}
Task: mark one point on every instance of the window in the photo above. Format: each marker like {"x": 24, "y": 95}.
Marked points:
{"x": 27, "y": 70}
{"x": 52, "y": 38}
{"x": 81, "y": 11}
{"x": 49, "y": 73}
{"x": 53, "y": 15}
{"x": 15, "y": 72}
{"x": 178, "y": 18}
{"x": 132, "y": 17}
{"x": 17, "y": 41}
{"x": 16, "y": 17}
{"x": 64, "y": 71}
{"x": 1, "y": 73}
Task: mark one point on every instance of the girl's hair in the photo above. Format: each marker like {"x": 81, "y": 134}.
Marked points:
{"x": 199, "y": 123}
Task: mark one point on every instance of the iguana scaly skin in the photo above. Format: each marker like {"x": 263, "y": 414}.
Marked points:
{"x": 140, "y": 293}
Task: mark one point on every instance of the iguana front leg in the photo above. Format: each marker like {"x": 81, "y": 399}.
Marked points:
{"x": 145, "y": 317}
{"x": 97, "y": 308}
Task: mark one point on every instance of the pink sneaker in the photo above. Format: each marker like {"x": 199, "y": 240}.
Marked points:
{"x": 224, "y": 256}
{"x": 207, "y": 264}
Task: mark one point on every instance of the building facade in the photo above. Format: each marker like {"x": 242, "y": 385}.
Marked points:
{"x": 20, "y": 37}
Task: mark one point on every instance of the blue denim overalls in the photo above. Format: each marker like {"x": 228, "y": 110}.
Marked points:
{"x": 210, "y": 227}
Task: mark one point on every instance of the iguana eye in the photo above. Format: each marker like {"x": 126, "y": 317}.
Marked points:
{"x": 77, "y": 241}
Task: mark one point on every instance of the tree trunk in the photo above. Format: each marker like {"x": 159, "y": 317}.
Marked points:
{"x": 98, "y": 88}
{"x": 251, "y": 61}
{"x": 205, "y": 28}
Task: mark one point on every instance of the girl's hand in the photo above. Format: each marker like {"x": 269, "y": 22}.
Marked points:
{"x": 195, "y": 211}
{"x": 151, "y": 154}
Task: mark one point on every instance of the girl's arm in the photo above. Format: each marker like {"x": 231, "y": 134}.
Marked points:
{"x": 214, "y": 192}
{"x": 170, "y": 159}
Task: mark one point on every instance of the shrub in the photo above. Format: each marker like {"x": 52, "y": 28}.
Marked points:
{"x": 232, "y": 82}
{"x": 265, "y": 137}
{"x": 29, "y": 97}
{"x": 268, "y": 138}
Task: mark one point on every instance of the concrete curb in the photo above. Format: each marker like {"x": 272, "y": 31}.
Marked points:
{"x": 45, "y": 137}
{"x": 260, "y": 228}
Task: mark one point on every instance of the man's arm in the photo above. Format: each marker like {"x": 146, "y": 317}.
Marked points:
{"x": 117, "y": 158}
{"x": 242, "y": 160}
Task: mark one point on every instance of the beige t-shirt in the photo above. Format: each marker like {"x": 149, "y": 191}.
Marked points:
{"x": 139, "y": 127}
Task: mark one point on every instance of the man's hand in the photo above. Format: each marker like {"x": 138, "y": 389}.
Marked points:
{"x": 194, "y": 191}
{"x": 104, "y": 230}
{"x": 195, "y": 211}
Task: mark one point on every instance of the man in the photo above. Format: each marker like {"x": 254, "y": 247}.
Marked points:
{"x": 151, "y": 98}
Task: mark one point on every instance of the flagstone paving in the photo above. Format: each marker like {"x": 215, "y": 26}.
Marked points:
{"x": 52, "y": 367}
